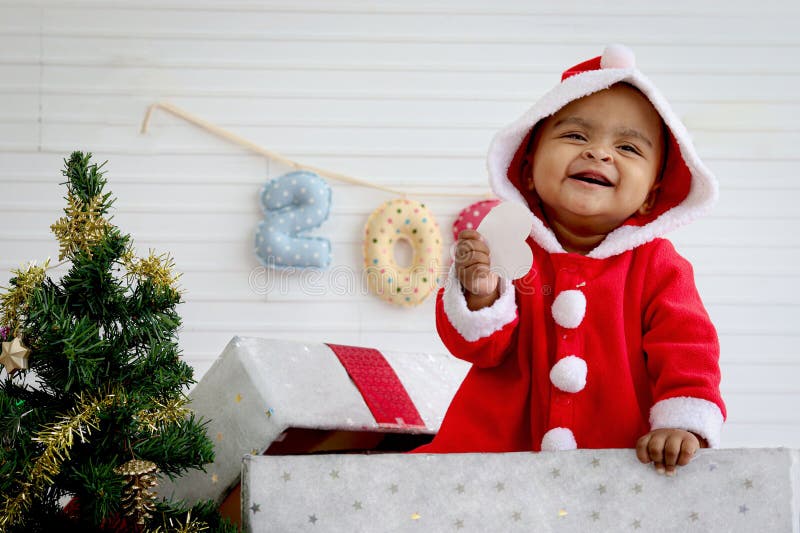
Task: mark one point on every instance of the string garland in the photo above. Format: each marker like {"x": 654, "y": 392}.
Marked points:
{"x": 83, "y": 224}
{"x": 253, "y": 147}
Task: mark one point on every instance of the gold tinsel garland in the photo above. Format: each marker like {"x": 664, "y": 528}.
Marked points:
{"x": 158, "y": 268}
{"x": 82, "y": 227}
{"x": 57, "y": 439}
{"x": 14, "y": 302}
{"x": 164, "y": 413}
{"x": 190, "y": 526}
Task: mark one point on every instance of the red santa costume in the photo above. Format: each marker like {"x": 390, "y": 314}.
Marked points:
{"x": 588, "y": 351}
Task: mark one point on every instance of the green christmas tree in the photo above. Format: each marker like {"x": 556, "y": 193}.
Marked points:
{"x": 92, "y": 406}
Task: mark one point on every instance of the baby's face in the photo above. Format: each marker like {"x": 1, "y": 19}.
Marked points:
{"x": 596, "y": 160}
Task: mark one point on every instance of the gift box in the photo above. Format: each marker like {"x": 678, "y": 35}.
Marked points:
{"x": 265, "y": 396}
{"x": 733, "y": 490}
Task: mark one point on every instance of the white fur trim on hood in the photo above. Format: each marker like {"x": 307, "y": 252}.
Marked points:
{"x": 692, "y": 414}
{"x": 474, "y": 325}
{"x": 703, "y": 187}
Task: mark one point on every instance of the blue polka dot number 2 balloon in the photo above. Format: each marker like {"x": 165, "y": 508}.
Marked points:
{"x": 293, "y": 204}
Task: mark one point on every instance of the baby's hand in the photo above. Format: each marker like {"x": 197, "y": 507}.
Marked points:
{"x": 472, "y": 269}
{"x": 667, "y": 448}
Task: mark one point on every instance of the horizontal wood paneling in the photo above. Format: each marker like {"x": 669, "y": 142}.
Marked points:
{"x": 420, "y": 7}
{"x": 221, "y": 197}
{"x": 358, "y": 83}
{"x": 407, "y": 95}
{"x": 234, "y": 168}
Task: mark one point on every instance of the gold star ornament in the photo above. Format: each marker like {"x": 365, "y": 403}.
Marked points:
{"x": 14, "y": 356}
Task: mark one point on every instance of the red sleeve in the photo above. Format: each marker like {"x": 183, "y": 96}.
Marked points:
{"x": 682, "y": 349}
{"x": 481, "y": 337}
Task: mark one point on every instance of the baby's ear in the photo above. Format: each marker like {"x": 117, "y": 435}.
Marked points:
{"x": 526, "y": 174}
{"x": 650, "y": 201}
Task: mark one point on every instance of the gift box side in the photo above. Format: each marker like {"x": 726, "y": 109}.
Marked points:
{"x": 220, "y": 397}
{"x": 728, "y": 490}
{"x": 277, "y": 396}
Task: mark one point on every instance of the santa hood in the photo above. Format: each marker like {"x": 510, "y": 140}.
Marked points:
{"x": 688, "y": 189}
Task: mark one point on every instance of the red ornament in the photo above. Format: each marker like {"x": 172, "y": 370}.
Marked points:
{"x": 470, "y": 217}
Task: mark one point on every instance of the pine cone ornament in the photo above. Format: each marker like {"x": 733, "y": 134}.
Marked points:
{"x": 137, "y": 498}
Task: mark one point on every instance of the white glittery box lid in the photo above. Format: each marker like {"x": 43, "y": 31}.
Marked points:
{"x": 726, "y": 491}
{"x": 258, "y": 388}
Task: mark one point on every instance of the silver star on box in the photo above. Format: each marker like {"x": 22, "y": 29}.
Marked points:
{"x": 14, "y": 356}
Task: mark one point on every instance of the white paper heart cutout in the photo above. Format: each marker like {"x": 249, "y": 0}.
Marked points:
{"x": 505, "y": 229}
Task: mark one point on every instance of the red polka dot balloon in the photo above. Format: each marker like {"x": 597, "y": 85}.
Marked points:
{"x": 470, "y": 217}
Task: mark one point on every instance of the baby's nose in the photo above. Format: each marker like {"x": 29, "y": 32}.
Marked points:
{"x": 597, "y": 153}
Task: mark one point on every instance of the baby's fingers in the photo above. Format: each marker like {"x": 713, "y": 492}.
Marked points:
{"x": 469, "y": 234}
{"x": 478, "y": 279}
{"x": 468, "y": 258}
{"x": 473, "y": 239}
{"x": 468, "y": 248}
{"x": 688, "y": 449}
{"x": 655, "y": 449}
{"x": 641, "y": 448}
{"x": 672, "y": 450}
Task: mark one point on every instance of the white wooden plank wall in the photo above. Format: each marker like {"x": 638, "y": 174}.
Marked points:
{"x": 405, "y": 94}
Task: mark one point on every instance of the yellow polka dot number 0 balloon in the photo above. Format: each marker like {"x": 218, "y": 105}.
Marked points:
{"x": 395, "y": 221}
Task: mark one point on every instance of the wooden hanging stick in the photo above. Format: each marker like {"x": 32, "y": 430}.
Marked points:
{"x": 253, "y": 147}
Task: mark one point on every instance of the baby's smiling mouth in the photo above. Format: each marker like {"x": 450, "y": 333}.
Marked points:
{"x": 593, "y": 178}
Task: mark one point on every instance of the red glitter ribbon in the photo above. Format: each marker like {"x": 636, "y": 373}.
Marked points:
{"x": 380, "y": 387}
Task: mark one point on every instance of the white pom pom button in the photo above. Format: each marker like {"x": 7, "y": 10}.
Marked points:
{"x": 558, "y": 439}
{"x": 569, "y": 308}
{"x": 617, "y": 56}
{"x": 569, "y": 374}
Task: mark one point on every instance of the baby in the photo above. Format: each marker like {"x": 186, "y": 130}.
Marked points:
{"x": 605, "y": 342}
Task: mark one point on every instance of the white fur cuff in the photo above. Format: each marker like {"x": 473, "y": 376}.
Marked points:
{"x": 474, "y": 325}
{"x": 692, "y": 414}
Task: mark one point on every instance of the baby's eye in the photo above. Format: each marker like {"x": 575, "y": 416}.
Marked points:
{"x": 630, "y": 148}
{"x": 575, "y": 136}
